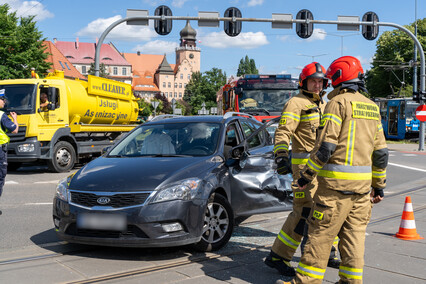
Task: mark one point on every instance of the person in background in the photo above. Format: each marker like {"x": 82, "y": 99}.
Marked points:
{"x": 7, "y": 125}
{"x": 44, "y": 102}
{"x": 299, "y": 123}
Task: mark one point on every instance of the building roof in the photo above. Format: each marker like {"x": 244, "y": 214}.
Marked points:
{"x": 60, "y": 62}
{"x": 188, "y": 33}
{"x": 144, "y": 81}
{"x": 164, "y": 67}
{"x": 84, "y": 53}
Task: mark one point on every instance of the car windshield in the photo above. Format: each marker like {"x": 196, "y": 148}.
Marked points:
{"x": 267, "y": 100}
{"x": 169, "y": 139}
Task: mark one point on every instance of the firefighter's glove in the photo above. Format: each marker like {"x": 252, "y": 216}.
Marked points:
{"x": 378, "y": 192}
{"x": 283, "y": 165}
{"x": 302, "y": 181}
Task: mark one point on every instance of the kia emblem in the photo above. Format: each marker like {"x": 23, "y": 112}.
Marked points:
{"x": 103, "y": 200}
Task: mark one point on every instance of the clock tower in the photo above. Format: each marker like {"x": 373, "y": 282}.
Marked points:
{"x": 188, "y": 53}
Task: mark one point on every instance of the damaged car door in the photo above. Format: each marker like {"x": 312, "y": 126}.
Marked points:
{"x": 255, "y": 184}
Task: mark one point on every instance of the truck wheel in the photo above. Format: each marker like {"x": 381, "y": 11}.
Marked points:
{"x": 218, "y": 224}
{"x": 63, "y": 159}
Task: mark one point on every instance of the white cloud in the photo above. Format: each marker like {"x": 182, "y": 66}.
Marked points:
{"x": 248, "y": 40}
{"x": 121, "y": 32}
{"x": 318, "y": 34}
{"x": 252, "y": 3}
{"x": 284, "y": 37}
{"x": 29, "y": 8}
{"x": 157, "y": 47}
{"x": 178, "y": 3}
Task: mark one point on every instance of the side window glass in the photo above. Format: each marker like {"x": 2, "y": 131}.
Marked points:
{"x": 249, "y": 128}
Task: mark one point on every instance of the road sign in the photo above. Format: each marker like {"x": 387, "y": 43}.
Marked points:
{"x": 163, "y": 27}
{"x": 421, "y": 112}
{"x": 155, "y": 104}
{"x": 304, "y": 30}
{"x": 370, "y": 32}
{"x": 232, "y": 28}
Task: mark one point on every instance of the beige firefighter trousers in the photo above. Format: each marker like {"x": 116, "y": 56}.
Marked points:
{"x": 335, "y": 213}
{"x": 290, "y": 236}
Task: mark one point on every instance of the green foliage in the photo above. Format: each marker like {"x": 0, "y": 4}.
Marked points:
{"x": 202, "y": 88}
{"x": 164, "y": 106}
{"x": 21, "y": 46}
{"x": 145, "y": 108}
{"x": 102, "y": 70}
{"x": 394, "y": 48}
{"x": 247, "y": 66}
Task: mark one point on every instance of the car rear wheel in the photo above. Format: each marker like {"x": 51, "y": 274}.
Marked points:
{"x": 218, "y": 224}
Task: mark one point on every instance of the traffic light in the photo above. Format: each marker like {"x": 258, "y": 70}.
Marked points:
{"x": 419, "y": 97}
{"x": 163, "y": 27}
{"x": 370, "y": 32}
{"x": 232, "y": 28}
{"x": 304, "y": 30}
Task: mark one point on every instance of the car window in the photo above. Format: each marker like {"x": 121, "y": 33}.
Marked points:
{"x": 249, "y": 128}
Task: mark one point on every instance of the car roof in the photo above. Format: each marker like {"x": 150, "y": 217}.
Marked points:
{"x": 198, "y": 118}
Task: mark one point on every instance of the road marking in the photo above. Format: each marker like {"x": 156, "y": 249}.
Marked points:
{"x": 11, "y": 182}
{"x": 49, "y": 181}
{"x": 42, "y": 203}
{"x": 407, "y": 167}
{"x": 409, "y": 155}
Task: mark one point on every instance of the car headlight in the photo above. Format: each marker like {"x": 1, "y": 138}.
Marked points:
{"x": 62, "y": 188}
{"x": 184, "y": 190}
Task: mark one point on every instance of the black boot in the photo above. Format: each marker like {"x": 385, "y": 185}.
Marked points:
{"x": 273, "y": 260}
{"x": 1, "y": 212}
{"x": 333, "y": 262}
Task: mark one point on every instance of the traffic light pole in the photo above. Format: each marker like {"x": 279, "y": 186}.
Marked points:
{"x": 288, "y": 21}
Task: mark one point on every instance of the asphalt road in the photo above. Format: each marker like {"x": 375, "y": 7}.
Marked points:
{"x": 31, "y": 253}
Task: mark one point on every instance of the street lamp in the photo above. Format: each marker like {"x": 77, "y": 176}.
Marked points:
{"x": 313, "y": 56}
{"x": 341, "y": 39}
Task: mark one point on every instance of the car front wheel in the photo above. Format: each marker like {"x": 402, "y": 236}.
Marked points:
{"x": 218, "y": 224}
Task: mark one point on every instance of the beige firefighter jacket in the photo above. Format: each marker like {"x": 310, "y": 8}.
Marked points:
{"x": 299, "y": 122}
{"x": 351, "y": 152}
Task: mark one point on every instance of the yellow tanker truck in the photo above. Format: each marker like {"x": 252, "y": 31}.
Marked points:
{"x": 80, "y": 120}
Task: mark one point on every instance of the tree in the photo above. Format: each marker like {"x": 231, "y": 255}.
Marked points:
{"x": 247, "y": 66}
{"x": 394, "y": 50}
{"x": 202, "y": 88}
{"x": 21, "y": 46}
{"x": 102, "y": 70}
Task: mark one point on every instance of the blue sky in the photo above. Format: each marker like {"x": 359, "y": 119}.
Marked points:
{"x": 274, "y": 50}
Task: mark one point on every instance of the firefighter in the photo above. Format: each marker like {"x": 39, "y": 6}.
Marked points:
{"x": 299, "y": 122}
{"x": 349, "y": 160}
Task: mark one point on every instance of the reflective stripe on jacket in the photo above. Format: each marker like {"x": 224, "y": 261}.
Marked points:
{"x": 4, "y": 139}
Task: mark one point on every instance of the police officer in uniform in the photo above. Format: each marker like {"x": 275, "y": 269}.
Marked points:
{"x": 299, "y": 122}
{"x": 6, "y": 126}
{"x": 349, "y": 160}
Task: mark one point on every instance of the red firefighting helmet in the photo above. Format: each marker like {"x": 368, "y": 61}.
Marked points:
{"x": 312, "y": 70}
{"x": 346, "y": 69}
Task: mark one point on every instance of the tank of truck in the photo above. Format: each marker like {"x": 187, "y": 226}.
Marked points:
{"x": 99, "y": 101}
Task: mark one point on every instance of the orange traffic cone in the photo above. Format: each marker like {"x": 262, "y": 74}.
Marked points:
{"x": 407, "y": 228}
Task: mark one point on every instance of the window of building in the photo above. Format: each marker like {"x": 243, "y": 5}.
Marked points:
{"x": 175, "y": 85}
{"x": 180, "y": 94}
{"x": 169, "y": 85}
{"x": 184, "y": 85}
{"x": 180, "y": 85}
{"x": 189, "y": 76}
{"x": 114, "y": 71}
{"x": 83, "y": 69}
{"x": 166, "y": 94}
{"x": 124, "y": 71}
{"x": 62, "y": 65}
{"x": 66, "y": 64}
{"x": 181, "y": 76}
{"x": 175, "y": 94}
{"x": 164, "y": 84}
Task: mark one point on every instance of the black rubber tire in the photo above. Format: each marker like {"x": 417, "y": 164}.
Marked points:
{"x": 218, "y": 224}
{"x": 63, "y": 158}
{"x": 13, "y": 166}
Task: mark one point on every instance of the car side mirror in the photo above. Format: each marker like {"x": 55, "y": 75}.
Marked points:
{"x": 237, "y": 152}
{"x": 105, "y": 149}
